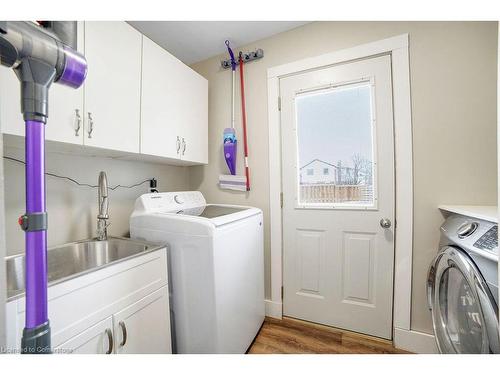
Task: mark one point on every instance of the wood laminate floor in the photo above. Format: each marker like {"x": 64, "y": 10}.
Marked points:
{"x": 292, "y": 336}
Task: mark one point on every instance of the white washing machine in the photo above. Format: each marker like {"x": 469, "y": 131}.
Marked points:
{"x": 462, "y": 287}
{"x": 216, "y": 266}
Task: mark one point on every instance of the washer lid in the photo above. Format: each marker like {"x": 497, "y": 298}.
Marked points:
{"x": 215, "y": 214}
{"x": 464, "y": 313}
{"x": 211, "y": 211}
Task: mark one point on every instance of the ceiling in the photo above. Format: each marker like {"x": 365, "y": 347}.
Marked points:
{"x": 194, "y": 41}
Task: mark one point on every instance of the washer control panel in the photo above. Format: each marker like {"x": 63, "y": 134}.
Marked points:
{"x": 489, "y": 240}
{"x": 170, "y": 201}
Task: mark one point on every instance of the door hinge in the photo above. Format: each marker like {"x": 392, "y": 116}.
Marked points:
{"x": 281, "y": 200}
{"x": 279, "y": 103}
{"x": 282, "y": 292}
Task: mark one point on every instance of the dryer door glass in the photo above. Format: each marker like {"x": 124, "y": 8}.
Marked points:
{"x": 460, "y": 313}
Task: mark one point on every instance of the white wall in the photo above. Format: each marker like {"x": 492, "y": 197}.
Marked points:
{"x": 72, "y": 209}
{"x": 453, "y": 86}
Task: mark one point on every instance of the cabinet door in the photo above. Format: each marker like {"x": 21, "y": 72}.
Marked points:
{"x": 161, "y": 104}
{"x": 65, "y": 106}
{"x": 112, "y": 87}
{"x": 194, "y": 133}
{"x": 97, "y": 339}
{"x": 144, "y": 327}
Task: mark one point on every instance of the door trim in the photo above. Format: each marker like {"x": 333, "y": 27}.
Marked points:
{"x": 397, "y": 47}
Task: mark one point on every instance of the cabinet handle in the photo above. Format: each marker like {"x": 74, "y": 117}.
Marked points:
{"x": 110, "y": 340}
{"x": 183, "y": 146}
{"x": 178, "y": 144}
{"x": 78, "y": 121}
{"x": 124, "y": 333}
{"x": 91, "y": 124}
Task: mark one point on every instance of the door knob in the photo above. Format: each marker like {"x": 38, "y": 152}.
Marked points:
{"x": 385, "y": 223}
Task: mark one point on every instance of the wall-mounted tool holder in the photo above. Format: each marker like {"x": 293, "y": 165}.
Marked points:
{"x": 247, "y": 57}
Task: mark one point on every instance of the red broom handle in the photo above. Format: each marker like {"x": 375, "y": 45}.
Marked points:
{"x": 244, "y": 116}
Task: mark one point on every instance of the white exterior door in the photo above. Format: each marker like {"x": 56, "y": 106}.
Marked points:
{"x": 338, "y": 195}
{"x": 113, "y": 86}
{"x": 144, "y": 327}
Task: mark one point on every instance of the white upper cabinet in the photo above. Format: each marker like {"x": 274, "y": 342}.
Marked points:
{"x": 194, "y": 124}
{"x": 65, "y": 106}
{"x": 113, "y": 86}
{"x": 174, "y": 108}
{"x": 160, "y": 118}
{"x": 137, "y": 99}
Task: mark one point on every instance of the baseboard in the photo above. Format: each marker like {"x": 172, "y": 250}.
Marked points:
{"x": 414, "y": 341}
{"x": 274, "y": 309}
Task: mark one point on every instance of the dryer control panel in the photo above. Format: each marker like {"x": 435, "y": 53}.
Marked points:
{"x": 489, "y": 240}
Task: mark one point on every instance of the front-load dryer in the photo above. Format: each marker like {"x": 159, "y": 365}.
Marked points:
{"x": 216, "y": 268}
{"x": 462, "y": 287}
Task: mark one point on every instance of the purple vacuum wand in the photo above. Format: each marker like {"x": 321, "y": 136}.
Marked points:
{"x": 39, "y": 58}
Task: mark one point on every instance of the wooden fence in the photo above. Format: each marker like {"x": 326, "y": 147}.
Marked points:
{"x": 330, "y": 193}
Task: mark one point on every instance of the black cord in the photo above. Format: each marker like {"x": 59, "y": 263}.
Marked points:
{"x": 80, "y": 183}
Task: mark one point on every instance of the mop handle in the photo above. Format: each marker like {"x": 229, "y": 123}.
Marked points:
{"x": 244, "y": 118}
{"x": 233, "y": 70}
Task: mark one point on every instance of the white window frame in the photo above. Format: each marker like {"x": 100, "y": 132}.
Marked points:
{"x": 397, "y": 48}
{"x": 338, "y": 86}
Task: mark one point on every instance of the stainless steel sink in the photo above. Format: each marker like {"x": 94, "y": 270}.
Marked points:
{"x": 76, "y": 258}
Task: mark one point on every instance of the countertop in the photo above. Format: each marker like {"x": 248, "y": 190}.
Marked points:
{"x": 488, "y": 213}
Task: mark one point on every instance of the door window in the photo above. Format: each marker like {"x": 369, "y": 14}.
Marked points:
{"x": 335, "y": 136}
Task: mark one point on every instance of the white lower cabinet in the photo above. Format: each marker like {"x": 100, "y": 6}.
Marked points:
{"x": 121, "y": 308}
{"x": 141, "y": 328}
{"x": 144, "y": 327}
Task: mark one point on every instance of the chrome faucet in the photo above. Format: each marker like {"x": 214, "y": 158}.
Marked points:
{"x": 102, "y": 204}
